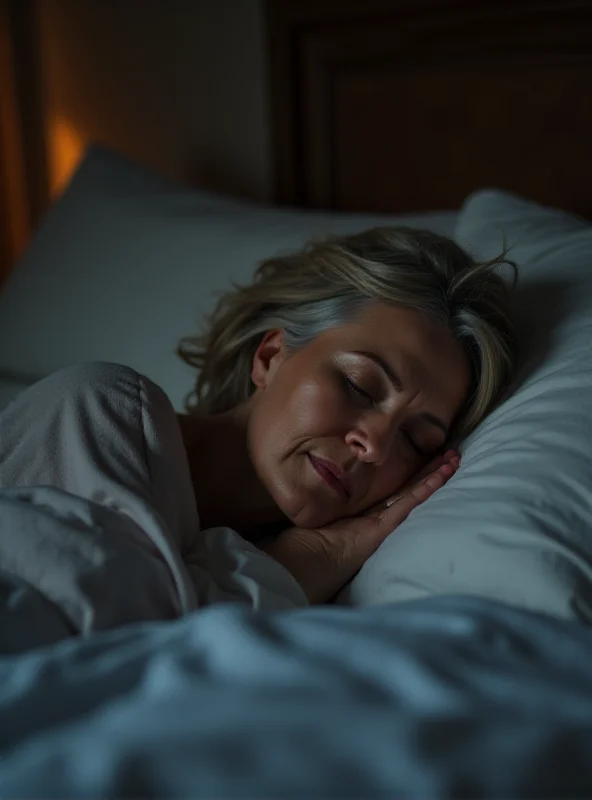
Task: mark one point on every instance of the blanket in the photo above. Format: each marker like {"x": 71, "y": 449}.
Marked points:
{"x": 442, "y": 697}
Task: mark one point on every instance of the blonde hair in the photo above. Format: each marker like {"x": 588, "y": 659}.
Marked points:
{"x": 328, "y": 282}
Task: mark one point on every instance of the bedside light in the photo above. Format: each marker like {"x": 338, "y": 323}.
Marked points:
{"x": 66, "y": 146}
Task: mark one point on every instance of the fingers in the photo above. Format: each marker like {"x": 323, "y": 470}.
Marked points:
{"x": 375, "y": 528}
{"x": 450, "y": 458}
{"x": 435, "y": 464}
{"x": 359, "y": 537}
{"x": 399, "y": 507}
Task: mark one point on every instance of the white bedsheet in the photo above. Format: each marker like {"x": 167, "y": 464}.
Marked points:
{"x": 435, "y": 698}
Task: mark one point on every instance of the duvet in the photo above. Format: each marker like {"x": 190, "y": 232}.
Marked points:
{"x": 443, "y": 697}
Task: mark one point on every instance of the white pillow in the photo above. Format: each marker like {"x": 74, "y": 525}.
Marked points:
{"x": 515, "y": 523}
{"x": 125, "y": 263}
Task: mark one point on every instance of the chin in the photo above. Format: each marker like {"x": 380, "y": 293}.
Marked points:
{"x": 304, "y": 506}
{"x": 307, "y": 516}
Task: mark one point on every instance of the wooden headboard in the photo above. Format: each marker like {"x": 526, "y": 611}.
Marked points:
{"x": 404, "y": 105}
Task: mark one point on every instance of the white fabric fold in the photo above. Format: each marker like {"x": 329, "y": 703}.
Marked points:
{"x": 98, "y": 513}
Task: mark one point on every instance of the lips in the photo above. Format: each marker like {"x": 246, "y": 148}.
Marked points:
{"x": 333, "y": 475}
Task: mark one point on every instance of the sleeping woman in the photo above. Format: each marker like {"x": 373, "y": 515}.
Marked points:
{"x": 326, "y": 397}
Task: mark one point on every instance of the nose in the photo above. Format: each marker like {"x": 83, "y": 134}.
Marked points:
{"x": 372, "y": 438}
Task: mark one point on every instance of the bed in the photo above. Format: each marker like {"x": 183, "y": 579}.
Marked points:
{"x": 455, "y": 664}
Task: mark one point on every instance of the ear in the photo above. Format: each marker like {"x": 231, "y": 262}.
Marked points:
{"x": 268, "y": 356}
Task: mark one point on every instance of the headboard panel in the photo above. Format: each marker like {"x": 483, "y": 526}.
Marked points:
{"x": 402, "y": 106}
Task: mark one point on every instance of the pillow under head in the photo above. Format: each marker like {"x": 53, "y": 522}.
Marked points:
{"x": 515, "y": 522}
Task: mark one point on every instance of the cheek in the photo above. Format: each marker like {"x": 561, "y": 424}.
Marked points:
{"x": 287, "y": 417}
{"x": 282, "y": 429}
{"x": 313, "y": 409}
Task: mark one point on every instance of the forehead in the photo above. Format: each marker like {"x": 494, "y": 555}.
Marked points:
{"x": 422, "y": 355}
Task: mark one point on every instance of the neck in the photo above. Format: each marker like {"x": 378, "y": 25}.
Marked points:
{"x": 228, "y": 490}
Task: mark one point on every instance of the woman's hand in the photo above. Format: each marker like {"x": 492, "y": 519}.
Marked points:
{"x": 324, "y": 559}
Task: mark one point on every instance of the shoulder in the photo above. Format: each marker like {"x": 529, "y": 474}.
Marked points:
{"x": 89, "y": 378}
{"x": 102, "y": 387}
{"x": 114, "y": 395}
{"x": 109, "y": 405}
{"x": 104, "y": 401}
{"x": 99, "y": 427}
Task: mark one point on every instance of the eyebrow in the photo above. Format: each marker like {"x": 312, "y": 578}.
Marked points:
{"x": 397, "y": 383}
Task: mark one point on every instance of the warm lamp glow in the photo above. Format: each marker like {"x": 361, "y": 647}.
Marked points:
{"x": 66, "y": 148}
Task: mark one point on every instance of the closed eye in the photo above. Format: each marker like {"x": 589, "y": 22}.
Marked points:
{"x": 361, "y": 394}
{"x": 357, "y": 390}
{"x": 414, "y": 445}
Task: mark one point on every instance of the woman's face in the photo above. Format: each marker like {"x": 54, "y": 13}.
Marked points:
{"x": 343, "y": 423}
